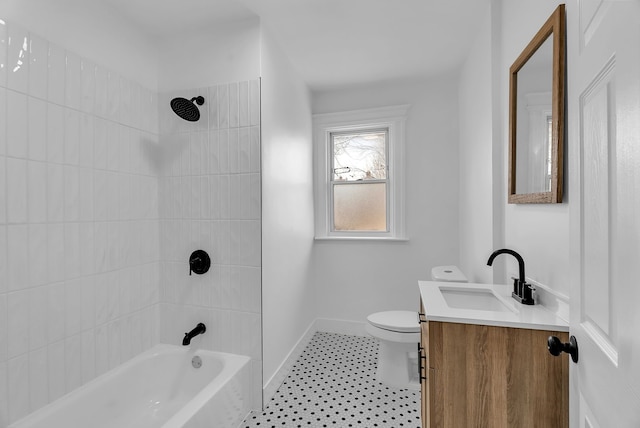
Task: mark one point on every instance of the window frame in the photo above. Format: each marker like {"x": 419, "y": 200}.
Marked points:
{"x": 393, "y": 119}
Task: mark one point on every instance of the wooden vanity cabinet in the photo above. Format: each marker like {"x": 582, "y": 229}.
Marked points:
{"x": 486, "y": 376}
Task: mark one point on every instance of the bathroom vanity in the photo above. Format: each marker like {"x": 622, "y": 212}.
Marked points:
{"x": 484, "y": 360}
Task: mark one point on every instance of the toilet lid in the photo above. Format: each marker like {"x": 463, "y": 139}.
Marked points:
{"x": 400, "y": 321}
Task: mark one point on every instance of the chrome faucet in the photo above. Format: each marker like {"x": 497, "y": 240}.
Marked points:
{"x": 200, "y": 329}
{"x": 522, "y": 291}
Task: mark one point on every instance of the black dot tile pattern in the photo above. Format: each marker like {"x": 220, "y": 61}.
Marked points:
{"x": 333, "y": 384}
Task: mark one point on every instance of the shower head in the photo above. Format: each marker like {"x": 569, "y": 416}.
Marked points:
{"x": 186, "y": 109}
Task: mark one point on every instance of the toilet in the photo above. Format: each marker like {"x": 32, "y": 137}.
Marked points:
{"x": 399, "y": 335}
{"x": 448, "y": 274}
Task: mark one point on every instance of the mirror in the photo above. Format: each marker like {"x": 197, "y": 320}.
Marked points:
{"x": 536, "y": 116}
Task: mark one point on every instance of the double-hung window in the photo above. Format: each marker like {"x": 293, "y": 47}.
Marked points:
{"x": 359, "y": 160}
{"x": 359, "y": 180}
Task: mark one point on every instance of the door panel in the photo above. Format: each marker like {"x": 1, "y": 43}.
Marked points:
{"x": 604, "y": 181}
{"x": 597, "y": 107}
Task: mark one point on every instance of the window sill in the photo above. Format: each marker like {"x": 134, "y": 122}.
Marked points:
{"x": 360, "y": 238}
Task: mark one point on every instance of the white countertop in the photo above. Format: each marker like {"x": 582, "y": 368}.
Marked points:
{"x": 535, "y": 317}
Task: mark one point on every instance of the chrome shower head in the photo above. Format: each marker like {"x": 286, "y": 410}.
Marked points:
{"x": 186, "y": 109}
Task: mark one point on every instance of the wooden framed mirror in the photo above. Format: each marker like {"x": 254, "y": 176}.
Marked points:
{"x": 536, "y": 116}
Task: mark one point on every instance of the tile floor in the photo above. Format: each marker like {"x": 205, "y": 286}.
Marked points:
{"x": 333, "y": 385}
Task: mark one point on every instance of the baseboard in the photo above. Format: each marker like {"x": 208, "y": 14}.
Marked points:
{"x": 353, "y": 328}
{"x": 272, "y": 385}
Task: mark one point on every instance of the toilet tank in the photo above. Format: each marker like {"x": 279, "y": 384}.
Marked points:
{"x": 448, "y": 274}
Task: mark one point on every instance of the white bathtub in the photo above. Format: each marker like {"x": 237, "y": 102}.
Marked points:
{"x": 159, "y": 388}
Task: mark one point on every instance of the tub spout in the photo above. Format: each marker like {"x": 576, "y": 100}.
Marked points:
{"x": 200, "y": 329}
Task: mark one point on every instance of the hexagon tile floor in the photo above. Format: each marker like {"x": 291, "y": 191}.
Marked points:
{"x": 333, "y": 384}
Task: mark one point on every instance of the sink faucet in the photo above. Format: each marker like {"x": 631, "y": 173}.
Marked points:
{"x": 522, "y": 291}
{"x": 200, "y": 329}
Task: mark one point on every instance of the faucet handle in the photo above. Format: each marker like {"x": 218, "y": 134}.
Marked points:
{"x": 516, "y": 285}
{"x": 528, "y": 293}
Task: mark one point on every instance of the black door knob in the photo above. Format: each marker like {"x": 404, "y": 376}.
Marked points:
{"x": 556, "y": 347}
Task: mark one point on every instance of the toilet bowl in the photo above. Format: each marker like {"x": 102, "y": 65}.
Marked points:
{"x": 399, "y": 334}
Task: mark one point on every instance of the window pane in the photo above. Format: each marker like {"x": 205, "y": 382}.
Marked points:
{"x": 360, "y": 207}
{"x": 360, "y": 156}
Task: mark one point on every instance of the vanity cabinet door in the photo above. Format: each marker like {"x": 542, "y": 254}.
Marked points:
{"x": 486, "y": 376}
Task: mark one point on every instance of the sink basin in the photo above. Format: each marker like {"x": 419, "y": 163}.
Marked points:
{"x": 473, "y": 299}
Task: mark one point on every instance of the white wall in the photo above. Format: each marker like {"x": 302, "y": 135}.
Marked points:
{"x": 287, "y": 206}
{"x": 226, "y": 52}
{"x": 476, "y": 158}
{"x": 92, "y": 30}
{"x": 354, "y": 279}
{"x": 79, "y": 238}
{"x": 540, "y": 233}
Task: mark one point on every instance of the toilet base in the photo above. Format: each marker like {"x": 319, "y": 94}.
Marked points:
{"x": 398, "y": 365}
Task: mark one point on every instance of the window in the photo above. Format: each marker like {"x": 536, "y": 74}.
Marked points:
{"x": 359, "y": 180}
{"x": 359, "y": 160}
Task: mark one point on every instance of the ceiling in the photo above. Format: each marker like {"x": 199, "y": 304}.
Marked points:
{"x": 334, "y": 43}
{"x": 162, "y": 18}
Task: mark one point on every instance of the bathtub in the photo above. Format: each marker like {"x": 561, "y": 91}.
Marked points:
{"x": 159, "y": 388}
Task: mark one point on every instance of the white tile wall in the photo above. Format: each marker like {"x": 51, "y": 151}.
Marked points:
{"x": 88, "y": 86}
{"x": 16, "y": 121}
{"x": 17, "y": 58}
{"x": 99, "y": 211}
{"x": 79, "y": 221}
{"x": 3, "y": 112}
{"x": 3, "y": 61}
{"x": 56, "y": 74}
{"x": 210, "y": 200}
{"x": 38, "y": 63}
{"x": 37, "y": 132}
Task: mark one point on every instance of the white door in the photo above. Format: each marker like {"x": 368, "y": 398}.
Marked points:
{"x": 604, "y": 196}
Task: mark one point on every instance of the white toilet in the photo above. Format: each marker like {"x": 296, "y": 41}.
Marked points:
{"x": 399, "y": 335}
{"x": 448, "y": 274}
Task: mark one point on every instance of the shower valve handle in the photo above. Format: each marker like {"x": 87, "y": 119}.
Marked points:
{"x": 199, "y": 262}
